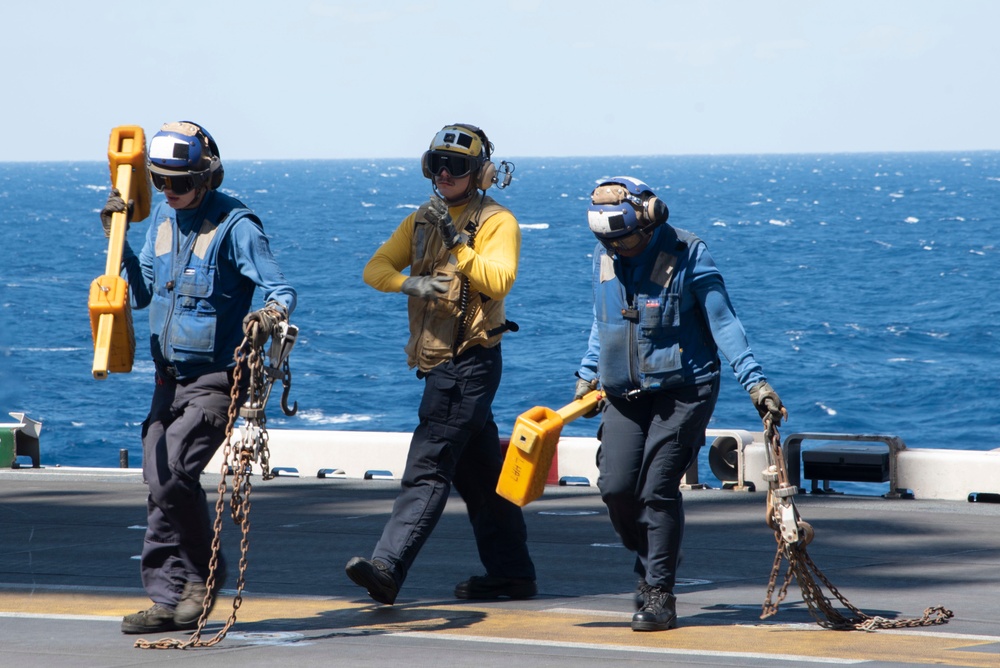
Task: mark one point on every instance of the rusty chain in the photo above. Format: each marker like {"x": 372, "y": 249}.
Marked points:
{"x": 239, "y": 460}
{"x": 793, "y": 535}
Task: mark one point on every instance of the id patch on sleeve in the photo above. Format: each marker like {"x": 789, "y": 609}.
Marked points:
{"x": 607, "y": 268}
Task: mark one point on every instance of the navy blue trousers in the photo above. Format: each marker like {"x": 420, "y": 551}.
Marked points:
{"x": 647, "y": 444}
{"x": 457, "y": 442}
{"x": 186, "y": 425}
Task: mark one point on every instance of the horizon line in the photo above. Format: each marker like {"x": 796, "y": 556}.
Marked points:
{"x": 561, "y": 157}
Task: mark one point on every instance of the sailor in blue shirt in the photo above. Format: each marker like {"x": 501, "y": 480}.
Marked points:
{"x": 661, "y": 317}
{"x": 203, "y": 257}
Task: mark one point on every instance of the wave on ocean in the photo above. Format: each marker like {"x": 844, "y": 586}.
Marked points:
{"x": 317, "y": 417}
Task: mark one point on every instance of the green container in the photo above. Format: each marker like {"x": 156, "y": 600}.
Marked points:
{"x": 7, "y": 455}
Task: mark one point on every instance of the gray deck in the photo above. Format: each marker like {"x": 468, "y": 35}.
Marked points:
{"x": 68, "y": 572}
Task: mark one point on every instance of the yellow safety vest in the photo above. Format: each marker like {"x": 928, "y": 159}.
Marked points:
{"x": 435, "y": 325}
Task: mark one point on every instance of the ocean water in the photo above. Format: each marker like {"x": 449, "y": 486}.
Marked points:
{"x": 866, "y": 282}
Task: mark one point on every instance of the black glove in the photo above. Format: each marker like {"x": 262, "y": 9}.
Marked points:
{"x": 767, "y": 403}
{"x": 583, "y": 388}
{"x": 116, "y": 204}
{"x": 426, "y": 287}
{"x": 259, "y": 325}
{"x": 437, "y": 214}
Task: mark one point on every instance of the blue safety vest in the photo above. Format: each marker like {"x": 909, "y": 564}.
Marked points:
{"x": 651, "y": 336}
{"x": 195, "y": 327}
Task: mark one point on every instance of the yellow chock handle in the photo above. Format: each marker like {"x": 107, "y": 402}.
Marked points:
{"x": 129, "y": 174}
{"x": 580, "y": 407}
{"x": 110, "y": 314}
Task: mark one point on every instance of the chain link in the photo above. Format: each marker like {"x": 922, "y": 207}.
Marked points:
{"x": 801, "y": 567}
{"x": 237, "y": 461}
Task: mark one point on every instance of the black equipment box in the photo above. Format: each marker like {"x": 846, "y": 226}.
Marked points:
{"x": 847, "y": 463}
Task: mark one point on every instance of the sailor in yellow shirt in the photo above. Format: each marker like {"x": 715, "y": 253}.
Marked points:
{"x": 462, "y": 250}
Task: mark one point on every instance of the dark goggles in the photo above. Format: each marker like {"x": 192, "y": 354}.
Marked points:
{"x": 458, "y": 165}
{"x": 625, "y": 244}
{"x": 181, "y": 184}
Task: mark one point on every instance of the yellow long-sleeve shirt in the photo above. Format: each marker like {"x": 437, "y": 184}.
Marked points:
{"x": 491, "y": 266}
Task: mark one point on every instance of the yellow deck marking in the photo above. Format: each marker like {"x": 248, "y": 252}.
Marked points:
{"x": 476, "y": 622}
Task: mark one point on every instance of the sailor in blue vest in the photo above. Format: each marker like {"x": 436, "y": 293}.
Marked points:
{"x": 204, "y": 255}
{"x": 661, "y": 317}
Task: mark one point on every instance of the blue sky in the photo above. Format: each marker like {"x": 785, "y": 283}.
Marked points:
{"x": 339, "y": 79}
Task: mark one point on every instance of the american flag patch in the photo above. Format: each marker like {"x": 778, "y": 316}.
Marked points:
{"x": 652, "y": 303}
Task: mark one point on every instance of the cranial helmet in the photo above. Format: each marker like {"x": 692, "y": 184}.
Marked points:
{"x": 624, "y": 212}
{"x": 461, "y": 149}
{"x": 183, "y": 156}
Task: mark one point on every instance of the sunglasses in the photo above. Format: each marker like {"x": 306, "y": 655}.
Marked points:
{"x": 178, "y": 185}
{"x": 456, "y": 164}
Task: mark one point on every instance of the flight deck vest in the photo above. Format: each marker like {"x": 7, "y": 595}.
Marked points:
{"x": 651, "y": 341}
{"x": 448, "y": 326}
{"x": 194, "y": 327}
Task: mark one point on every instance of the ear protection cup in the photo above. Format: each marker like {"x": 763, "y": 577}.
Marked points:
{"x": 218, "y": 173}
{"x": 487, "y": 175}
{"x": 655, "y": 210}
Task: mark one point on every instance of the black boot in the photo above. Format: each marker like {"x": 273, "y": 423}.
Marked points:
{"x": 659, "y": 612}
{"x": 375, "y": 576}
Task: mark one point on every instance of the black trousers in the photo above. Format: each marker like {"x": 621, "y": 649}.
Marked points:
{"x": 647, "y": 444}
{"x": 457, "y": 442}
{"x": 186, "y": 425}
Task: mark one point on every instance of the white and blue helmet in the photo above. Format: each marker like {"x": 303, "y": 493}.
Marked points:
{"x": 183, "y": 156}
{"x": 620, "y": 209}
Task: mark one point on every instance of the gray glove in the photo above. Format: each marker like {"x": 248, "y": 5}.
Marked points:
{"x": 767, "y": 403}
{"x": 583, "y": 388}
{"x": 438, "y": 215}
{"x": 426, "y": 287}
{"x": 259, "y": 325}
{"x": 116, "y": 204}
